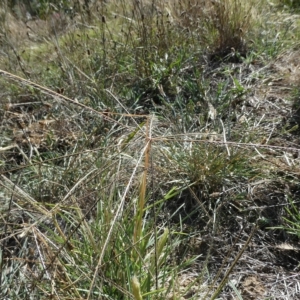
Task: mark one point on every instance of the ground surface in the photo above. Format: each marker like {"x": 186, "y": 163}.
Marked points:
{"x": 266, "y": 115}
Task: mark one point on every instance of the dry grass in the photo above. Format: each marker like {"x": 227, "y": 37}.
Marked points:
{"x": 149, "y": 149}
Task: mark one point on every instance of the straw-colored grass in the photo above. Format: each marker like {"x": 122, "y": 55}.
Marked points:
{"x": 148, "y": 149}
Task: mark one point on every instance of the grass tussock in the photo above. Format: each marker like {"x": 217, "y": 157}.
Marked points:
{"x": 145, "y": 147}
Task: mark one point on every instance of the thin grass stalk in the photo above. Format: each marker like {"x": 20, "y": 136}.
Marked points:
{"x": 59, "y": 250}
{"x": 117, "y": 215}
{"x": 143, "y": 187}
{"x": 65, "y": 240}
{"x": 57, "y": 206}
{"x": 155, "y": 228}
{"x": 85, "y": 227}
{"x": 159, "y": 249}
{"x": 38, "y": 236}
{"x": 19, "y": 192}
{"x": 226, "y": 258}
{"x": 52, "y": 93}
{"x": 225, "y": 279}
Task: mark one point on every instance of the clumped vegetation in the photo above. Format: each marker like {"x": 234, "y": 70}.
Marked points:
{"x": 149, "y": 149}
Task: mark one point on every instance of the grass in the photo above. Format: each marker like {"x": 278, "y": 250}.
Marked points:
{"x": 146, "y": 147}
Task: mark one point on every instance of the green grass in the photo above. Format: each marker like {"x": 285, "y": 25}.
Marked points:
{"x": 135, "y": 139}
